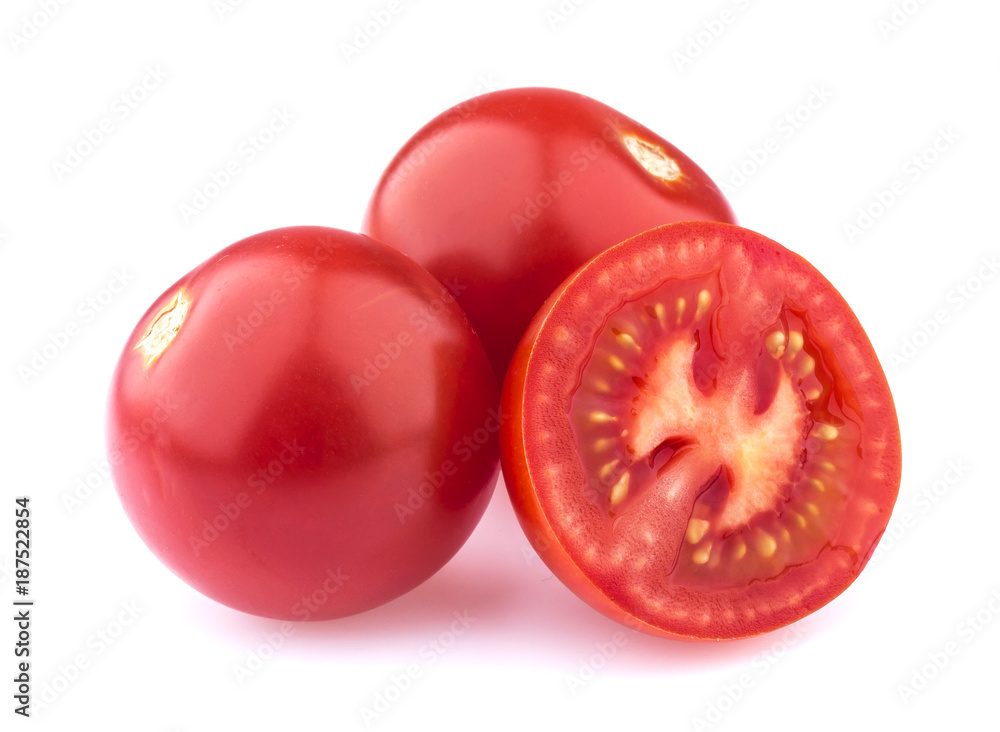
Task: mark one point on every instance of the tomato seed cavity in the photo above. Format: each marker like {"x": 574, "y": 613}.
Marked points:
{"x": 748, "y": 444}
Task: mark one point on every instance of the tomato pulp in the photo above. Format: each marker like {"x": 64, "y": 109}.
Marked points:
{"x": 304, "y": 426}
{"x": 503, "y": 196}
{"x": 702, "y": 442}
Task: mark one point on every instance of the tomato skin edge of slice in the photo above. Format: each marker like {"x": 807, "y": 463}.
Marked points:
{"x": 539, "y": 529}
{"x": 528, "y": 509}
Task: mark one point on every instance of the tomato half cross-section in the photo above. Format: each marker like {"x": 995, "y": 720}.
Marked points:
{"x": 305, "y": 426}
{"x": 702, "y": 442}
{"x": 504, "y": 195}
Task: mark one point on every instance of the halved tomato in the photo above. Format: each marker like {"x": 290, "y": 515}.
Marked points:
{"x": 702, "y": 443}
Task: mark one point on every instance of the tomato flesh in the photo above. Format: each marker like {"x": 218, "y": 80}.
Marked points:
{"x": 703, "y": 440}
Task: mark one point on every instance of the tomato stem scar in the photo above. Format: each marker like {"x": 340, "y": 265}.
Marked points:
{"x": 164, "y": 328}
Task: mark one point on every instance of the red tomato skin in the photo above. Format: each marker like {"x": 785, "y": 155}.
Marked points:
{"x": 504, "y": 195}
{"x": 300, "y": 448}
{"x": 517, "y": 442}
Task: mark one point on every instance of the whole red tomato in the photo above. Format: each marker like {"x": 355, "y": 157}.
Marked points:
{"x": 702, "y": 443}
{"x": 504, "y": 195}
{"x": 304, "y": 426}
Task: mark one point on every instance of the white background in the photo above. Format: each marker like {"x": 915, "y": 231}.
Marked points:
{"x": 888, "y": 93}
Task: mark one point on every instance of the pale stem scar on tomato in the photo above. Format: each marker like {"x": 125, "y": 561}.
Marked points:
{"x": 653, "y": 158}
{"x": 164, "y": 328}
{"x": 703, "y": 434}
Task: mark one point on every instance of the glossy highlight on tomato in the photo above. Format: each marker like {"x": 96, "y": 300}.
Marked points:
{"x": 304, "y": 426}
{"x": 504, "y": 195}
{"x": 702, "y": 443}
